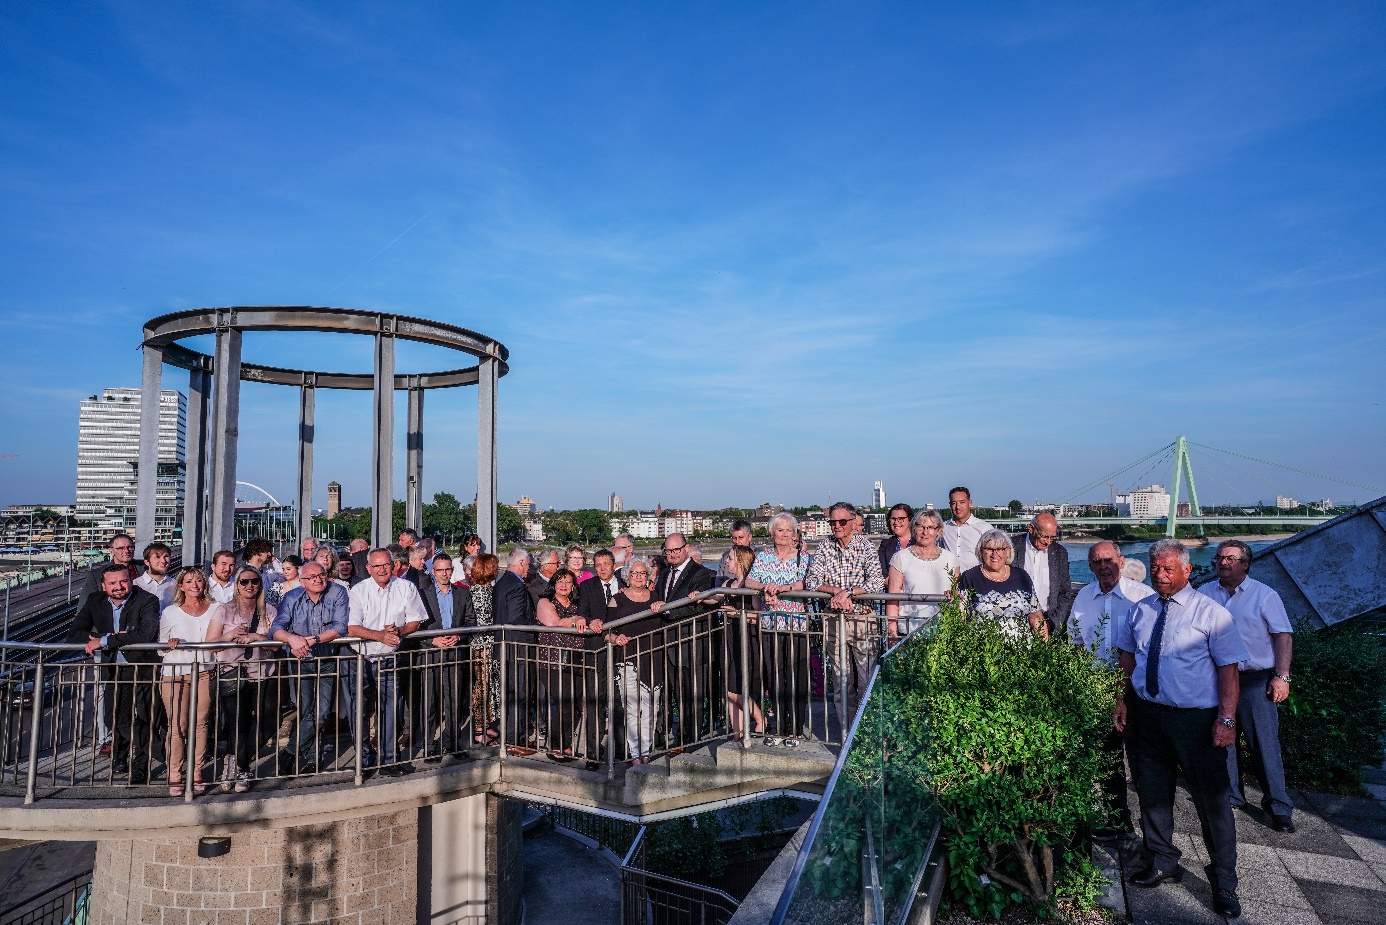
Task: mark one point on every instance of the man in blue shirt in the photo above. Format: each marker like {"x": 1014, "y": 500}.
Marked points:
{"x": 310, "y": 617}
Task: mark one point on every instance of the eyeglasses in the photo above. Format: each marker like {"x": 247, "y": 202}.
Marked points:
{"x": 642, "y": 573}
{"x": 1045, "y": 536}
{"x": 842, "y": 522}
{"x": 931, "y": 528}
{"x": 1227, "y": 558}
{"x": 317, "y": 577}
{"x": 898, "y": 520}
{"x": 993, "y": 549}
{"x": 675, "y": 548}
{"x": 247, "y": 582}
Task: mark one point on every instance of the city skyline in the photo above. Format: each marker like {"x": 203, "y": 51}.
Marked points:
{"x": 1008, "y": 249}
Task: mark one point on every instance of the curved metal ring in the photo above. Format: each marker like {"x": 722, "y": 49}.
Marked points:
{"x": 165, "y": 331}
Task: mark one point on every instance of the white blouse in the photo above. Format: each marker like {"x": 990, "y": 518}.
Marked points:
{"x": 176, "y": 623}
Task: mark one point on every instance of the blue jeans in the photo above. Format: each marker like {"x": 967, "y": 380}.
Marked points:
{"x": 381, "y": 670}
{"x": 315, "y": 693}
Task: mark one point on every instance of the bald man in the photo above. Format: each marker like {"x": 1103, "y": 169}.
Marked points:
{"x": 1046, "y": 562}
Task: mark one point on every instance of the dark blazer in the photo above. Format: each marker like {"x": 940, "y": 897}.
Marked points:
{"x": 887, "y": 550}
{"x": 537, "y": 585}
{"x": 591, "y": 600}
{"x": 1061, "y": 593}
{"x": 359, "y": 572}
{"x": 92, "y": 587}
{"x": 140, "y": 617}
{"x": 462, "y": 612}
{"x": 513, "y": 605}
{"x": 694, "y": 577}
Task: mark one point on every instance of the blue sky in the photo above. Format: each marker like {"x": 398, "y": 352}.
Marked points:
{"x": 739, "y": 252}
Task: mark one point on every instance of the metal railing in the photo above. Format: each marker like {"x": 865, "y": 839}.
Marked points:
{"x": 72, "y": 726}
{"x": 61, "y": 904}
{"x": 648, "y": 898}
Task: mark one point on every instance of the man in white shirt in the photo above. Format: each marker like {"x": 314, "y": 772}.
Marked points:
{"x": 385, "y": 609}
{"x": 1099, "y": 611}
{"x": 963, "y": 531}
{"x": 220, "y": 587}
{"x": 1265, "y": 677}
{"x": 156, "y": 579}
{"x": 1046, "y": 562}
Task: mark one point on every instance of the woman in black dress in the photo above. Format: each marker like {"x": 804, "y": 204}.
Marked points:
{"x": 558, "y": 655}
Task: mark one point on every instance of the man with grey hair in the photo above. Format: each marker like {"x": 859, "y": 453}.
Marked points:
{"x": 1179, "y": 653}
{"x": 1265, "y": 677}
{"x": 1046, "y": 562}
{"x": 843, "y": 565}
{"x": 623, "y": 549}
{"x": 308, "y": 549}
{"x": 1100, "y": 608}
{"x": 549, "y": 563}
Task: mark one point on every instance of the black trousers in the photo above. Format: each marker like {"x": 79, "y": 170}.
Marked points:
{"x": 441, "y": 697}
{"x": 1114, "y": 785}
{"x": 134, "y": 698}
{"x": 1164, "y": 741}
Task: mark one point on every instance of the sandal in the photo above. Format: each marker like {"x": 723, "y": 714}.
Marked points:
{"x": 175, "y": 790}
{"x": 198, "y": 786}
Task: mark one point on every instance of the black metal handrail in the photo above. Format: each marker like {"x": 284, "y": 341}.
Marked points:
{"x": 61, "y": 903}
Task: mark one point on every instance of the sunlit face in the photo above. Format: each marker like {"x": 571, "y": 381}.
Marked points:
{"x": 1106, "y": 563}
{"x": 549, "y": 566}
{"x": 193, "y": 585}
{"x": 381, "y": 567}
{"x": 290, "y": 571}
{"x": 785, "y": 534}
{"x": 741, "y": 536}
{"x": 900, "y": 524}
{"x": 961, "y": 506}
{"x": 926, "y": 533}
{"x": 576, "y": 560}
{"x": 994, "y": 557}
{"x": 1044, "y": 529}
{"x": 323, "y": 557}
{"x": 638, "y": 576}
{"x": 675, "y": 550}
{"x": 157, "y": 562}
{"x": 248, "y": 586}
{"x": 605, "y": 567}
{"x": 473, "y": 547}
{"x": 222, "y": 566}
{"x": 1168, "y": 575}
{"x": 123, "y": 552}
{"x": 842, "y": 525}
{"x": 313, "y": 578}
{"x": 116, "y": 585}
{"x": 442, "y": 572}
{"x": 564, "y": 586}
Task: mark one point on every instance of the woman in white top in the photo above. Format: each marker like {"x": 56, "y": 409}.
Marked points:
{"x": 192, "y": 617}
{"x": 920, "y": 568}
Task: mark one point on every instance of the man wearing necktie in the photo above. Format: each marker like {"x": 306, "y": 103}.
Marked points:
{"x": 1180, "y": 652}
{"x": 594, "y": 596}
{"x": 692, "y": 675}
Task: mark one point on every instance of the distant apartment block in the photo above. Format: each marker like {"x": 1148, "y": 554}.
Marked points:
{"x": 108, "y": 449}
{"x": 525, "y": 507}
{"x": 1151, "y": 501}
{"x": 1285, "y": 504}
{"x": 878, "y": 495}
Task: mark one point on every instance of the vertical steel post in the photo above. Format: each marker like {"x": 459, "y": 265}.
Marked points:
{"x": 358, "y": 728}
{"x": 1194, "y": 509}
{"x": 487, "y": 380}
{"x": 195, "y": 479}
{"x": 306, "y": 400}
{"x": 745, "y": 678}
{"x": 611, "y": 711}
{"x": 413, "y": 492}
{"x": 190, "y": 767}
{"x": 503, "y": 698}
{"x": 147, "y": 473}
{"x": 383, "y": 458}
{"x": 226, "y": 413}
{"x": 35, "y": 728}
{"x": 843, "y": 674}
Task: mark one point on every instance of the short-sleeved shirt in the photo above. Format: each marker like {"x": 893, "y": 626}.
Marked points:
{"x": 163, "y": 589}
{"x": 1200, "y": 635}
{"x": 769, "y": 569}
{"x": 1258, "y": 612}
{"x": 1097, "y": 616}
{"x": 396, "y": 604}
{"x": 300, "y": 616}
{"x": 855, "y": 566}
{"x": 1008, "y": 602}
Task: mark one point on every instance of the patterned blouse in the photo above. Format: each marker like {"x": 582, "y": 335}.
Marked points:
{"x": 483, "y": 601}
{"x": 1008, "y": 602}
{"x": 768, "y": 569}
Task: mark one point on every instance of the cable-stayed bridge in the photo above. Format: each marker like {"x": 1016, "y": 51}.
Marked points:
{"x": 1244, "y": 470}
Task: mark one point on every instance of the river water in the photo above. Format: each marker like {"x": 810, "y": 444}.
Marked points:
{"x": 1199, "y": 555}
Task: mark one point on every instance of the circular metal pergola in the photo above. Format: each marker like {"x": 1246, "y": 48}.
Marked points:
{"x": 214, "y": 409}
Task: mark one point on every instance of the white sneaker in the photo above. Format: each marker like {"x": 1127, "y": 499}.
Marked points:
{"x": 228, "y": 776}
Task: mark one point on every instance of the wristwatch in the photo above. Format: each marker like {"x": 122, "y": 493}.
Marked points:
{"x": 1228, "y": 721}
{"x": 1281, "y": 677}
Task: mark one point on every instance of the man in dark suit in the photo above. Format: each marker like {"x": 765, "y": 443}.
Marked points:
{"x": 445, "y": 662}
{"x": 121, "y": 615}
{"x": 594, "y": 595}
{"x": 692, "y": 675}
{"x": 538, "y": 581}
{"x": 122, "y": 548}
{"x": 1046, "y": 562}
{"x": 514, "y": 607}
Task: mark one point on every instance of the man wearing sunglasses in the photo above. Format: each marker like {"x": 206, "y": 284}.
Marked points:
{"x": 310, "y": 617}
{"x": 843, "y": 565}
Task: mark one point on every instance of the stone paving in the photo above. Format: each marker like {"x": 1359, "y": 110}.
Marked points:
{"x": 1332, "y": 870}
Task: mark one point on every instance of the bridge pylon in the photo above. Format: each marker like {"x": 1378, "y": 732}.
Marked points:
{"x": 1182, "y": 467}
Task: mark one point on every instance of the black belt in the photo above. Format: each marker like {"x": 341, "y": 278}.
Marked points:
{"x": 1255, "y": 671}
{"x": 1170, "y": 709}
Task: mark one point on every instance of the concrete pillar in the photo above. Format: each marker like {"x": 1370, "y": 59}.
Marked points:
{"x": 195, "y": 485}
{"x": 226, "y": 412}
{"x": 413, "y": 492}
{"x": 306, "y": 395}
{"x": 383, "y": 426}
{"x": 487, "y": 380}
{"x": 147, "y": 475}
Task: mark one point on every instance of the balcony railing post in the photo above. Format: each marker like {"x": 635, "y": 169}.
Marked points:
{"x": 190, "y": 768}
{"x": 611, "y": 711}
{"x": 843, "y": 672}
{"x": 503, "y": 695}
{"x": 358, "y": 728}
{"x": 745, "y": 678}
{"x": 35, "y": 727}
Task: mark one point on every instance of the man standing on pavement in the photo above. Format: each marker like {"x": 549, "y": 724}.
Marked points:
{"x": 513, "y": 606}
{"x": 549, "y": 562}
{"x": 384, "y": 610}
{"x": 692, "y": 677}
{"x": 156, "y": 579}
{"x": 1265, "y": 677}
{"x": 962, "y": 531}
{"x": 311, "y": 616}
{"x": 843, "y": 565}
{"x": 122, "y": 615}
{"x": 1046, "y": 562}
{"x": 445, "y": 661}
{"x": 1100, "y": 608}
{"x": 1179, "y": 652}
{"x": 741, "y": 535}
{"x": 220, "y": 587}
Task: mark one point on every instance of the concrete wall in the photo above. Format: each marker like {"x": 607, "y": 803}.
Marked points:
{"x": 505, "y": 860}
{"x": 360, "y": 871}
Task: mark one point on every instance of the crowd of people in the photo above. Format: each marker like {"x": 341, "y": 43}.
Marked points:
{"x": 1200, "y": 666}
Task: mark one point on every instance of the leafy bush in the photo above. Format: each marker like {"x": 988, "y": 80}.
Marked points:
{"x": 1016, "y": 728}
{"x": 1332, "y": 724}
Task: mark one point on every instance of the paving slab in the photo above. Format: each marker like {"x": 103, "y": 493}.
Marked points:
{"x": 1371, "y": 850}
{"x": 1322, "y": 868}
{"x": 1258, "y": 913}
{"x": 1344, "y": 904}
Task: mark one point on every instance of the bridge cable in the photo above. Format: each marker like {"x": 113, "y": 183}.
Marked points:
{"x": 1317, "y": 475}
{"x": 1063, "y": 499}
{"x": 1251, "y": 475}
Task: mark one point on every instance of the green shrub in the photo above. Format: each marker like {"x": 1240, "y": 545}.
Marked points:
{"x": 1332, "y": 724}
{"x": 1014, "y": 760}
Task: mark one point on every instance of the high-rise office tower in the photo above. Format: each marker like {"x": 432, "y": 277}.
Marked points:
{"x": 108, "y": 455}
